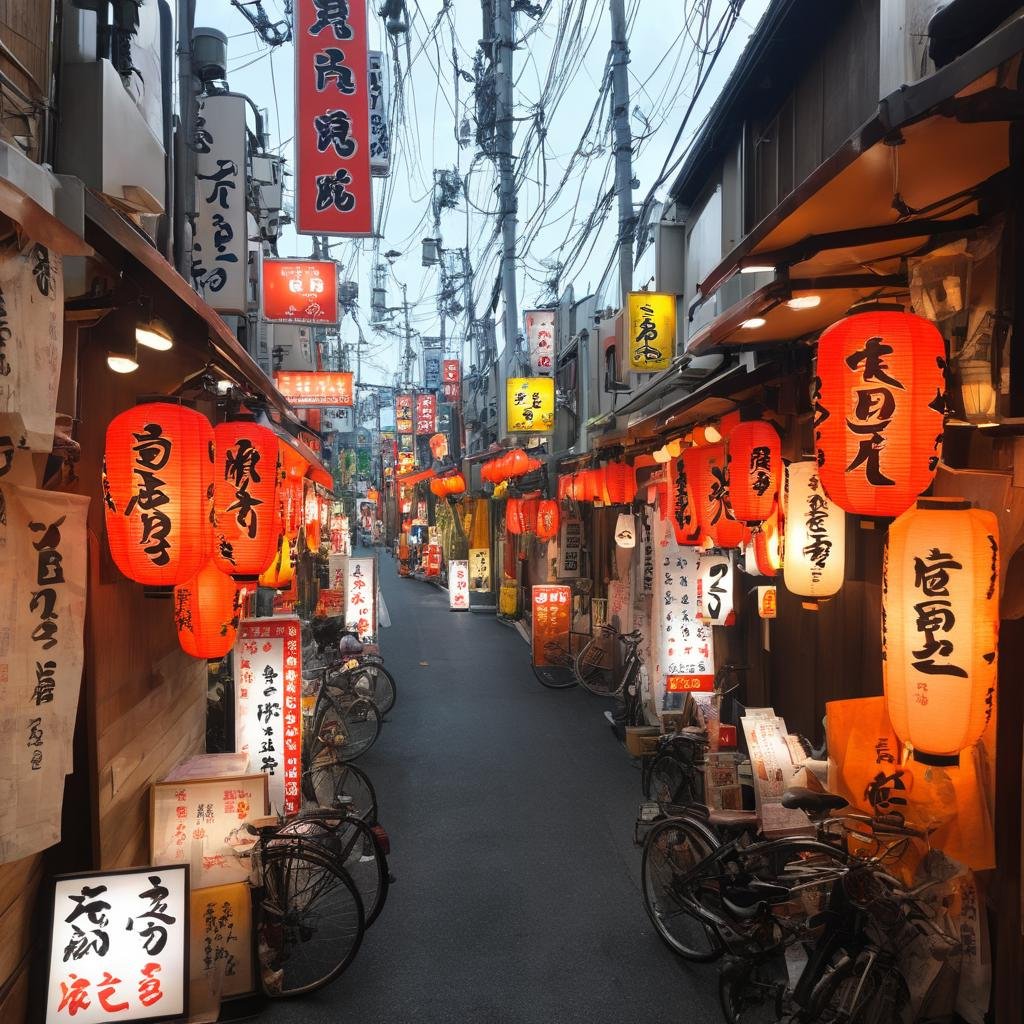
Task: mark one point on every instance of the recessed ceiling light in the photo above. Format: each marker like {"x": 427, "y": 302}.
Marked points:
{"x": 804, "y": 301}
{"x": 753, "y": 323}
{"x": 757, "y": 268}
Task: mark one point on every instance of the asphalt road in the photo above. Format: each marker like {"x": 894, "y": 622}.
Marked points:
{"x": 511, "y": 810}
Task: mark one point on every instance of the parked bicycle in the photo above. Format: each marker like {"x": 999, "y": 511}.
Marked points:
{"x": 345, "y": 724}
{"x": 595, "y": 673}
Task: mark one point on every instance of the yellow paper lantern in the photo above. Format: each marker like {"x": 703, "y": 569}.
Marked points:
{"x": 940, "y": 624}
{"x": 814, "y": 552}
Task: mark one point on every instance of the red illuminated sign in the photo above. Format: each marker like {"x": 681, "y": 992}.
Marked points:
{"x": 690, "y": 684}
{"x": 332, "y": 118}
{"x": 300, "y": 291}
{"x": 451, "y": 378}
{"x": 426, "y": 414}
{"x": 304, "y": 388}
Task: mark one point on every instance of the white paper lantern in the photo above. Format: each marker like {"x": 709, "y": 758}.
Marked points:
{"x": 814, "y": 553}
{"x": 625, "y": 531}
{"x": 714, "y": 590}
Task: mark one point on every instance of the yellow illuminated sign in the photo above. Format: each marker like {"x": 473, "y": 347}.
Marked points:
{"x": 531, "y": 405}
{"x": 652, "y": 331}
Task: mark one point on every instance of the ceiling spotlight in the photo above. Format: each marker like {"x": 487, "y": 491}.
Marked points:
{"x": 753, "y": 323}
{"x": 804, "y": 302}
{"x": 121, "y": 362}
{"x": 154, "y": 334}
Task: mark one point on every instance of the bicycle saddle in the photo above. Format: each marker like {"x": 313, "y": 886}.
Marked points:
{"x": 732, "y": 819}
{"x": 811, "y": 801}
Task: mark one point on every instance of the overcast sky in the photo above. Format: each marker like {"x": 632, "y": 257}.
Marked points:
{"x": 567, "y": 169}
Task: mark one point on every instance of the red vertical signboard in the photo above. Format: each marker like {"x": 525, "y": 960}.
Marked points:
{"x": 332, "y": 119}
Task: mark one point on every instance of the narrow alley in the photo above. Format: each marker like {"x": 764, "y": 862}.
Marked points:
{"x": 510, "y": 809}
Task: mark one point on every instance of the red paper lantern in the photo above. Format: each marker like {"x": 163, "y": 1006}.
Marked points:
{"x": 206, "y": 612}
{"x": 311, "y": 516}
{"x": 514, "y": 516}
{"x": 158, "y": 492}
{"x": 245, "y": 498}
{"x": 878, "y": 410}
{"x": 528, "y": 514}
{"x": 519, "y": 462}
{"x": 565, "y": 487}
{"x": 707, "y": 477}
{"x": 680, "y": 513}
{"x": 437, "y": 487}
{"x": 547, "y": 520}
{"x": 593, "y": 484}
{"x": 620, "y": 483}
{"x": 767, "y": 547}
{"x": 755, "y": 470}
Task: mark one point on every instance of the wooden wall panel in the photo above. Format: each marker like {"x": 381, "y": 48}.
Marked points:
{"x": 19, "y": 886}
{"x": 25, "y": 28}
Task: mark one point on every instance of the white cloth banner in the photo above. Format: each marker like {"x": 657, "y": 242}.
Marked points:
{"x": 31, "y": 344}
{"x": 42, "y": 615}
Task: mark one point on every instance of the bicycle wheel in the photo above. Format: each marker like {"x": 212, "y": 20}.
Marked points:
{"x": 861, "y": 991}
{"x": 376, "y": 682}
{"x": 666, "y": 781}
{"x": 349, "y": 841}
{"x": 555, "y": 677}
{"x": 752, "y": 991}
{"x": 327, "y": 780}
{"x": 348, "y": 726}
{"x": 672, "y": 849}
{"x": 595, "y": 666}
{"x": 311, "y": 920}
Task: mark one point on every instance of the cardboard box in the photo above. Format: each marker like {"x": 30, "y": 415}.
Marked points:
{"x": 642, "y": 739}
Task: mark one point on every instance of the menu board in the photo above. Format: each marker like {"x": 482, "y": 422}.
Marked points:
{"x": 772, "y": 769}
{"x": 684, "y": 656}
{"x": 552, "y": 620}
{"x": 194, "y": 818}
{"x": 221, "y": 936}
{"x": 361, "y": 598}
{"x": 119, "y": 943}
{"x": 458, "y": 585}
{"x": 268, "y": 721}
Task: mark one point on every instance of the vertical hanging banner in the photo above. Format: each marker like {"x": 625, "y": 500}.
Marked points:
{"x": 426, "y": 415}
{"x": 268, "y": 720}
{"x": 433, "y": 358}
{"x": 31, "y": 345}
{"x": 570, "y": 548}
{"x": 551, "y": 621}
{"x": 361, "y": 598}
{"x": 332, "y": 119}
{"x": 403, "y": 414}
{"x": 42, "y": 616}
{"x": 458, "y": 585}
{"x": 380, "y": 130}
{"x": 451, "y": 380}
{"x": 652, "y": 331}
{"x": 540, "y": 340}
{"x": 684, "y": 653}
{"x": 220, "y": 247}
{"x": 119, "y": 946}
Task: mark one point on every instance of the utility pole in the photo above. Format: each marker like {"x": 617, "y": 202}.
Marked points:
{"x": 502, "y": 62}
{"x": 408, "y": 356}
{"x": 623, "y": 144}
{"x": 185, "y": 154}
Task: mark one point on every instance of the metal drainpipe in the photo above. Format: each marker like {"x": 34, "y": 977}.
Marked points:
{"x": 166, "y": 230}
{"x": 583, "y": 348}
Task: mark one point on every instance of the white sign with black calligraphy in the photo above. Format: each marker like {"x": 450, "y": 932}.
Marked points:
{"x": 380, "y": 129}
{"x": 42, "y": 616}
{"x": 220, "y": 245}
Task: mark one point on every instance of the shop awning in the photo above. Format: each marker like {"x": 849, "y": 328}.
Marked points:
{"x": 38, "y": 223}
{"x": 930, "y": 166}
{"x": 411, "y": 479}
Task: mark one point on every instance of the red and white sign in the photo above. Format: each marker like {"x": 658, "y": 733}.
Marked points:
{"x": 361, "y": 598}
{"x": 300, "y": 291}
{"x": 332, "y": 119}
{"x": 119, "y": 946}
{"x": 458, "y": 586}
{"x": 426, "y": 414}
{"x": 403, "y": 414}
{"x": 268, "y": 691}
{"x": 451, "y": 380}
{"x": 305, "y": 388}
{"x": 690, "y": 684}
{"x": 540, "y": 341}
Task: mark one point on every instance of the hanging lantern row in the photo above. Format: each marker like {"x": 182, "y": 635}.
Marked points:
{"x": 755, "y": 470}
{"x": 612, "y": 484}
{"x": 512, "y": 464}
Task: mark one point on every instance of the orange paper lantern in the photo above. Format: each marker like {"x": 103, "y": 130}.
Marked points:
{"x": 158, "y": 492}
{"x": 940, "y": 624}
{"x": 514, "y": 516}
{"x": 620, "y": 483}
{"x": 245, "y": 498}
{"x": 755, "y": 470}
{"x": 454, "y": 484}
{"x": 311, "y": 516}
{"x": 878, "y": 410}
{"x": 206, "y": 612}
{"x": 547, "y": 520}
{"x": 767, "y": 546}
{"x": 707, "y": 479}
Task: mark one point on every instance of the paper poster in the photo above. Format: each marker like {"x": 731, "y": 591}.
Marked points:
{"x": 31, "y": 344}
{"x": 119, "y": 946}
{"x": 684, "y": 657}
{"x": 772, "y": 769}
{"x": 458, "y": 585}
{"x": 551, "y": 621}
{"x": 206, "y": 818}
{"x": 221, "y": 927}
{"x": 268, "y": 725}
{"x": 43, "y": 565}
